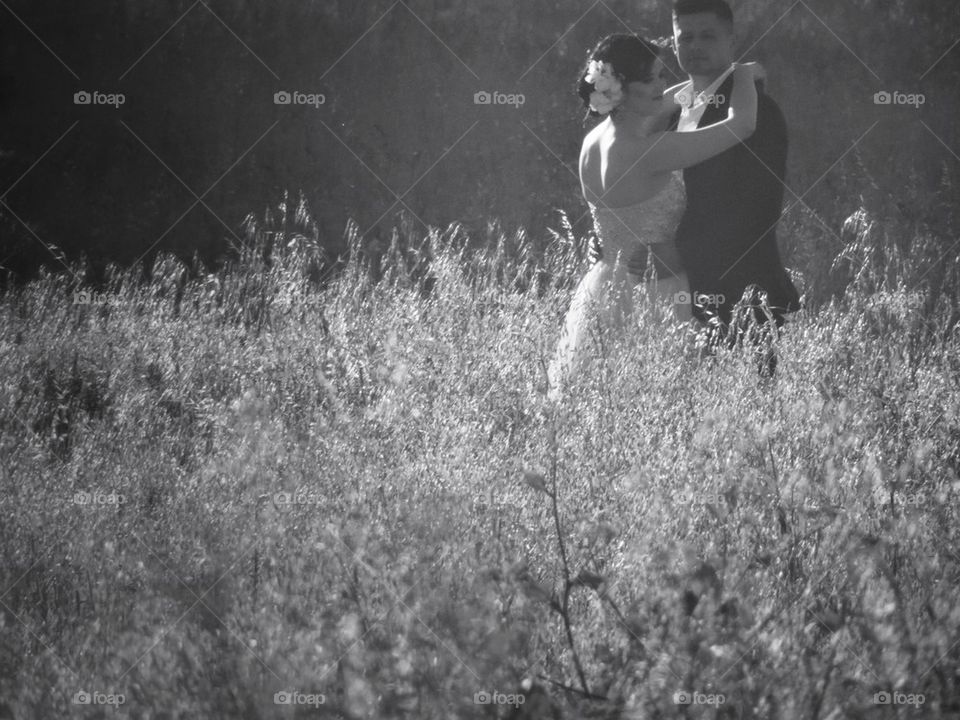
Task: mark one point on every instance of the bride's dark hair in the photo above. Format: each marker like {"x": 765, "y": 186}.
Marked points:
{"x": 631, "y": 56}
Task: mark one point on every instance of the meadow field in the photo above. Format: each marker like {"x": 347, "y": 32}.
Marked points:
{"x": 251, "y": 494}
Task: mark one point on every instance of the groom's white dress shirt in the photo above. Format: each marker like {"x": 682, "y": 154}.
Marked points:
{"x": 692, "y": 111}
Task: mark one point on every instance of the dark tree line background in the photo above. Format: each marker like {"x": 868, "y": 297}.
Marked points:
{"x": 399, "y": 80}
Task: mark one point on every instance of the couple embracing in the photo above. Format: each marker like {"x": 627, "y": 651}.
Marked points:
{"x": 685, "y": 185}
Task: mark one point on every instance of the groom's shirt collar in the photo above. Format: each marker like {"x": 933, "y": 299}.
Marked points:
{"x": 693, "y": 107}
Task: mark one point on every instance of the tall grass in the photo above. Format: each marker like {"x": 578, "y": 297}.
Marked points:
{"x": 220, "y": 487}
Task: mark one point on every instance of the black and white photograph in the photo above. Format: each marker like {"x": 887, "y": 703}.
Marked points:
{"x": 454, "y": 360}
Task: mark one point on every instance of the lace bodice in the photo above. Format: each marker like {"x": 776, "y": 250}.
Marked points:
{"x": 652, "y": 221}
{"x": 643, "y": 235}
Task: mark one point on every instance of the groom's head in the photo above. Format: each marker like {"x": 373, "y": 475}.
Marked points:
{"x": 703, "y": 36}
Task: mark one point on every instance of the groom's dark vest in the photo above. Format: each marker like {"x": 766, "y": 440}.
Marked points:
{"x": 727, "y": 237}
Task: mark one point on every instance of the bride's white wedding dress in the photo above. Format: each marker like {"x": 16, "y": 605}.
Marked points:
{"x": 605, "y": 294}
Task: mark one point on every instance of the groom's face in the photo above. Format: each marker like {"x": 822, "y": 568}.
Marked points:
{"x": 703, "y": 43}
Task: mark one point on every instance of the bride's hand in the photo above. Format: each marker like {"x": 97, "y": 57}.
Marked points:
{"x": 758, "y": 70}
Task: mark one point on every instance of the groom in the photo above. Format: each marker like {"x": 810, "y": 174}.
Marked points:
{"x": 727, "y": 237}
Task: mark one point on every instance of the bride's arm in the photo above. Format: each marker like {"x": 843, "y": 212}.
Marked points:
{"x": 670, "y": 94}
{"x": 675, "y": 150}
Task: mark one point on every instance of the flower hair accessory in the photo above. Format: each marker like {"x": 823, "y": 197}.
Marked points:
{"x": 607, "y": 89}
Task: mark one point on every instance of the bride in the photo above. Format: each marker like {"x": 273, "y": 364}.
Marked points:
{"x": 629, "y": 174}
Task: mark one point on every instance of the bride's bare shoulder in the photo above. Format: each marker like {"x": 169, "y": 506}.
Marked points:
{"x": 628, "y": 146}
{"x": 593, "y": 144}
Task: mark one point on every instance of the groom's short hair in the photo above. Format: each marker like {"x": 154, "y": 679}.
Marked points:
{"x": 720, "y": 8}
